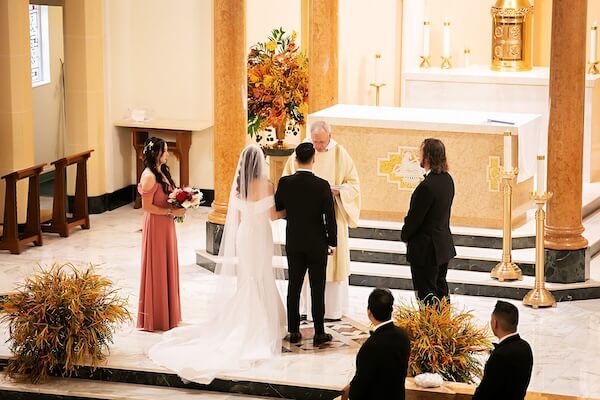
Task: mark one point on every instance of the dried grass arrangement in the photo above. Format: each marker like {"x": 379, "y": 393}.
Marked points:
{"x": 443, "y": 340}
{"x": 59, "y": 319}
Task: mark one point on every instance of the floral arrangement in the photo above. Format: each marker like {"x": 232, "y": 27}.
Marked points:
{"x": 59, "y": 319}
{"x": 443, "y": 340}
{"x": 185, "y": 197}
{"x": 277, "y": 83}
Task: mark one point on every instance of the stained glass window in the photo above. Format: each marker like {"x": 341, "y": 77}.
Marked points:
{"x": 38, "y": 37}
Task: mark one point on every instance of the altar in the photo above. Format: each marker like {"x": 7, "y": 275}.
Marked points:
{"x": 478, "y": 88}
{"x": 384, "y": 144}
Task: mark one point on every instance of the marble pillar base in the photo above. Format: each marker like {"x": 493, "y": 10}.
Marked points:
{"x": 214, "y": 232}
{"x": 567, "y": 266}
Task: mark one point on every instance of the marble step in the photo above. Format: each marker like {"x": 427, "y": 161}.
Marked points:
{"x": 467, "y": 258}
{"x": 124, "y": 383}
{"x": 469, "y": 283}
{"x": 72, "y": 388}
{"x": 462, "y": 237}
{"x": 472, "y": 283}
{"x": 522, "y": 238}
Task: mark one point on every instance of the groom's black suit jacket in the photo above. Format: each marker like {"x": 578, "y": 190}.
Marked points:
{"x": 507, "y": 371}
{"x": 310, "y": 214}
{"x": 381, "y": 365}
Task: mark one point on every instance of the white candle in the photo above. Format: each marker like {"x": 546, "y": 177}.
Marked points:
{"x": 593, "y": 40}
{"x": 467, "y": 57}
{"x": 508, "y": 151}
{"x": 541, "y": 175}
{"x": 446, "y": 39}
{"x": 426, "y": 35}
{"x": 377, "y": 57}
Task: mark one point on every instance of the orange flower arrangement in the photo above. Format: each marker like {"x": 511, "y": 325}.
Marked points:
{"x": 277, "y": 83}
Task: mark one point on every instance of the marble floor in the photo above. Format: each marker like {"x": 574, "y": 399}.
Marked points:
{"x": 565, "y": 339}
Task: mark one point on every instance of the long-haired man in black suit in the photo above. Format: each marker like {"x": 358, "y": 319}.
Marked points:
{"x": 426, "y": 229}
{"x": 311, "y": 235}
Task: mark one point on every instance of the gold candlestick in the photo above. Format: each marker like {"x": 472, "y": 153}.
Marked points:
{"x": 539, "y": 296}
{"x": 377, "y": 86}
{"x": 507, "y": 270}
{"x": 594, "y": 67}
{"x": 424, "y": 62}
{"x": 446, "y": 64}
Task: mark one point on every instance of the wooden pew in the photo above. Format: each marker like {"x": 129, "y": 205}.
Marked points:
{"x": 12, "y": 239}
{"x": 60, "y": 223}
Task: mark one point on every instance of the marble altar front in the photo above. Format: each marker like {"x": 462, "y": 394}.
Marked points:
{"x": 384, "y": 143}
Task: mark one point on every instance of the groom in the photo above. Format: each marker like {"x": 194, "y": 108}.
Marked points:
{"x": 311, "y": 235}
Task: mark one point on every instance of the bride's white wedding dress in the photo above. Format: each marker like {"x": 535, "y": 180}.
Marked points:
{"x": 249, "y": 322}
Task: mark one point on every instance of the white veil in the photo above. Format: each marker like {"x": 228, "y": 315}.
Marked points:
{"x": 250, "y": 187}
{"x": 246, "y": 318}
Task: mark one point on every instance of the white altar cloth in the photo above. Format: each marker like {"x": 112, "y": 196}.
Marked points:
{"x": 527, "y": 127}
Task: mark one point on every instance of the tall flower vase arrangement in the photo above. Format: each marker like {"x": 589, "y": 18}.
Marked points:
{"x": 277, "y": 85}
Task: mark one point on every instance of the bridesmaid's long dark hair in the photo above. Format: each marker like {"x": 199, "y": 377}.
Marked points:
{"x": 153, "y": 149}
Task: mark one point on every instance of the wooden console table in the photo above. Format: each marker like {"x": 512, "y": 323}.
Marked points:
{"x": 181, "y": 130}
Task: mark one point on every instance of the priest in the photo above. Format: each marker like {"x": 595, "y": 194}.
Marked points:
{"x": 334, "y": 164}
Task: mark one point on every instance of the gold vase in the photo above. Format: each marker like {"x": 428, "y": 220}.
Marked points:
{"x": 512, "y": 35}
{"x": 280, "y": 135}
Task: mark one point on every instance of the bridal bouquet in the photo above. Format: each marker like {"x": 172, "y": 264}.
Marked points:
{"x": 185, "y": 197}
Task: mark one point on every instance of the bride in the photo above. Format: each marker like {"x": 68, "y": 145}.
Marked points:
{"x": 247, "y": 315}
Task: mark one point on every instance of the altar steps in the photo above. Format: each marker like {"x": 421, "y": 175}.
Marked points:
{"x": 77, "y": 389}
{"x": 378, "y": 258}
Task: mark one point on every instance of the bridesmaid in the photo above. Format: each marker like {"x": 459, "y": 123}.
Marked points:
{"x": 159, "y": 305}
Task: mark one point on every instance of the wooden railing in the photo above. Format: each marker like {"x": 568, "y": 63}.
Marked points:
{"x": 60, "y": 223}
{"x": 12, "y": 239}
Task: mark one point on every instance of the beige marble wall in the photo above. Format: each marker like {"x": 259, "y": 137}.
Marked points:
{"x": 476, "y": 203}
{"x": 16, "y": 115}
{"x": 84, "y": 87}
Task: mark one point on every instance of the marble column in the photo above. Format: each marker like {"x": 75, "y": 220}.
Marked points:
{"x": 16, "y": 104}
{"x": 84, "y": 92}
{"x": 542, "y": 26}
{"x": 230, "y": 115}
{"x": 565, "y": 254}
{"x": 322, "y": 54}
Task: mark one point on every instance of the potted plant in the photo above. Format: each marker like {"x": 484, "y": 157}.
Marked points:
{"x": 59, "y": 319}
{"x": 443, "y": 340}
{"x": 277, "y": 85}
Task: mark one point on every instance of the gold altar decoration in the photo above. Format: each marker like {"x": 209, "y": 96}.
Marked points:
{"x": 539, "y": 296}
{"x": 401, "y": 168}
{"x": 512, "y": 35}
{"x": 277, "y": 85}
{"x": 507, "y": 270}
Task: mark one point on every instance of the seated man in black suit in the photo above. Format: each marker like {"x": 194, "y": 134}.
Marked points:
{"x": 508, "y": 370}
{"x": 382, "y": 362}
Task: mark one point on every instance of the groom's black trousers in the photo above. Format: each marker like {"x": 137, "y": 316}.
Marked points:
{"x": 298, "y": 263}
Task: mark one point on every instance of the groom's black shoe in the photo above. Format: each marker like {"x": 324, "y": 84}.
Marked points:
{"x": 321, "y": 338}
{"x": 294, "y": 337}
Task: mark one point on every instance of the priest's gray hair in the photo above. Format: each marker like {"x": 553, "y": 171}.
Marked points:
{"x": 320, "y": 126}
